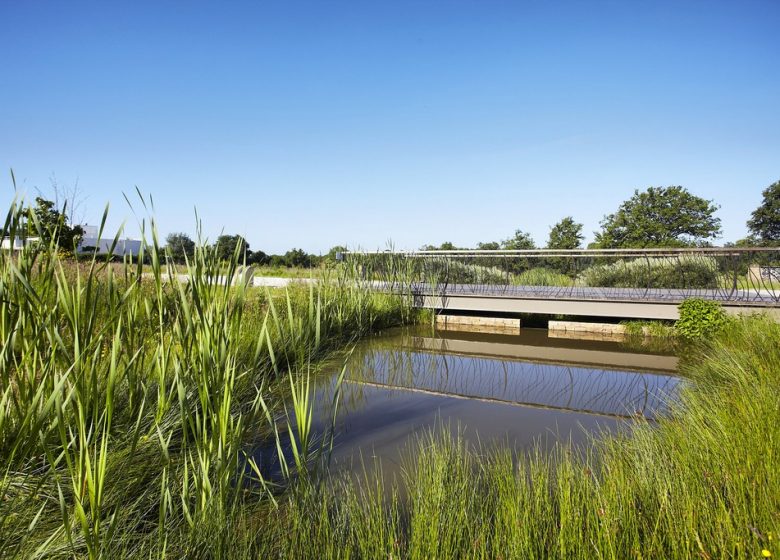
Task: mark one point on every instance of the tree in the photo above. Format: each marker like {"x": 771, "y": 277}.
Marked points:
{"x": 297, "y": 257}
{"x": 520, "y": 241}
{"x": 334, "y": 252}
{"x": 227, "y": 245}
{"x": 180, "y": 246}
{"x": 764, "y": 222}
{"x": 446, "y": 246}
{"x": 50, "y": 224}
{"x": 489, "y": 246}
{"x": 258, "y": 257}
{"x": 566, "y": 234}
{"x": 660, "y": 217}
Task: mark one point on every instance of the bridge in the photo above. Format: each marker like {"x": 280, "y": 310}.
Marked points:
{"x": 615, "y": 283}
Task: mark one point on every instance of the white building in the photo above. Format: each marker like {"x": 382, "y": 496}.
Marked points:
{"x": 90, "y": 241}
{"x": 17, "y": 243}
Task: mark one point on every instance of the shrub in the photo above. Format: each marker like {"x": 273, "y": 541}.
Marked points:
{"x": 682, "y": 272}
{"x": 700, "y": 318}
{"x": 542, "y": 277}
{"x": 456, "y": 272}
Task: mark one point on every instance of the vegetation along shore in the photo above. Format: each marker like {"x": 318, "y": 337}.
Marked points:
{"x": 126, "y": 404}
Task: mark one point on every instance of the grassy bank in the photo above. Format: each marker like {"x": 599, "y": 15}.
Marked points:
{"x": 126, "y": 401}
{"x": 704, "y": 483}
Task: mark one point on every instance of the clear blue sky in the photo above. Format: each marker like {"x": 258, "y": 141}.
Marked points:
{"x": 311, "y": 124}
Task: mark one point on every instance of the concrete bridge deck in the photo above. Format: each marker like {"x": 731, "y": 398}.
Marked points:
{"x": 628, "y": 303}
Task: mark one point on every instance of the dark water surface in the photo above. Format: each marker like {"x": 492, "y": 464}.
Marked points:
{"x": 517, "y": 390}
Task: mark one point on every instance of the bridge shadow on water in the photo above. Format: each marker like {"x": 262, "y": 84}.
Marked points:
{"x": 524, "y": 390}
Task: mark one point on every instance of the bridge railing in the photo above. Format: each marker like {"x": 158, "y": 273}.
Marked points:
{"x": 749, "y": 276}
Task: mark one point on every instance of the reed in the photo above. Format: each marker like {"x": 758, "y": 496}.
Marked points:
{"x": 127, "y": 398}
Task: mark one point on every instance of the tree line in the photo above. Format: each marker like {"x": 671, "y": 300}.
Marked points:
{"x": 181, "y": 247}
{"x": 655, "y": 217}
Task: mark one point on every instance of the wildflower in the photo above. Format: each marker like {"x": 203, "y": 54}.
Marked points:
{"x": 766, "y": 554}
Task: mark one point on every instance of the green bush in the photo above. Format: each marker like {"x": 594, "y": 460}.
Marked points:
{"x": 682, "y": 272}
{"x": 700, "y": 318}
{"x": 456, "y": 272}
{"x": 542, "y": 277}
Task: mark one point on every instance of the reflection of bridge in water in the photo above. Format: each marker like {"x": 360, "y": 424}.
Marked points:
{"x": 627, "y": 283}
{"x": 558, "y": 378}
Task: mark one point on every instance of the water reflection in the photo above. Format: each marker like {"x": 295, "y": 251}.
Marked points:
{"x": 519, "y": 390}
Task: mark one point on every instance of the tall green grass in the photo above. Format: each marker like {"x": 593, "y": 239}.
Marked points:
{"x": 541, "y": 276}
{"x": 682, "y": 272}
{"x": 127, "y": 399}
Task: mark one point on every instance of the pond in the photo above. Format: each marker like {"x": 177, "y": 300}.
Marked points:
{"x": 519, "y": 390}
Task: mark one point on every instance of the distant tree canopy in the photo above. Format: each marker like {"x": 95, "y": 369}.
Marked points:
{"x": 660, "y": 217}
{"x": 519, "y": 241}
{"x": 764, "y": 222}
{"x": 297, "y": 258}
{"x": 489, "y": 246}
{"x": 566, "y": 234}
{"x": 258, "y": 258}
{"x": 334, "y": 251}
{"x": 446, "y": 246}
{"x": 50, "y": 224}
{"x": 180, "y": 246}
{"x": 227, "y": 245}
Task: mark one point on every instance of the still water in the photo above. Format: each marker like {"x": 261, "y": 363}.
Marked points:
{"x": 519, "y": 390}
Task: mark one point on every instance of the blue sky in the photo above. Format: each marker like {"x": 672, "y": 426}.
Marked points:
{"x": 311, "y": 124}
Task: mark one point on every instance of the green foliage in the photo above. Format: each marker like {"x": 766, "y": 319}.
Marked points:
{"x": 258, "y": 258}
{"x": 655, "y": 329}
{"x": 446, "y": 246}
{"x": 764, "y": 222}
{"x": 660, "y": 217}
{"x": 518, "y": 242}
{"x": 127, "y": 400}
{"x": 50, "y": 224}
{"x": 700, "y": 319}
{"x": 566, "y": 234}
{"x": 179, "y": 246}
{"x": 542, "y": 277}
{"x": 681, "y": 272}
{"x": 489, "y": 246}
{"x": 334, "y": 252}
{"x": 228, "y": 246}
{"x": 457, "y": 272}
{"x": 297, "y": 257}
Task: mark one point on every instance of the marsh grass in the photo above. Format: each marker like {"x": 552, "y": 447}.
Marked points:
{"x": 541, "y": 276}
{"x": 127, "y": 400}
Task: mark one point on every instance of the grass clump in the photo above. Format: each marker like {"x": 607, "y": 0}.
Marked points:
{"x": 542, "y": 277}
{"x": 654, "y": 329}
{"x": 681, "y": 272}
